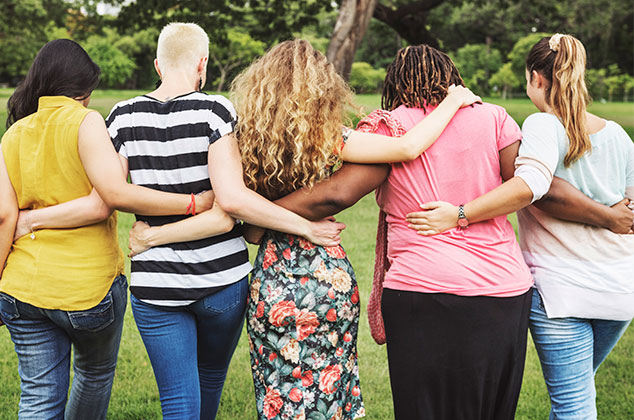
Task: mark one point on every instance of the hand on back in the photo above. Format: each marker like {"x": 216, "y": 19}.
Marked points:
{"x": 462, "y": 95}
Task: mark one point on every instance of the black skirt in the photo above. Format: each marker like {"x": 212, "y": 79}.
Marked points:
{"x": 455, "y": 357}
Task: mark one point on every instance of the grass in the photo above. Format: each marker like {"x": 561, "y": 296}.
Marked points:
{"x": 135, "y": 395}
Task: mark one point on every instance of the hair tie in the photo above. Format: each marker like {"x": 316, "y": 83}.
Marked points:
{"x": 553, "y": 42}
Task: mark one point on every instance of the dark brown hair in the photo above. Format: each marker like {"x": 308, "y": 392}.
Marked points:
{"x": 561, "y": 60}
{"x": 60, "y": 68}
{"x": 418, "y": 76}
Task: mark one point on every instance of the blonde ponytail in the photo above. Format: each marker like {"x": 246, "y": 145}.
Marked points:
{"x": 561, "y": 59}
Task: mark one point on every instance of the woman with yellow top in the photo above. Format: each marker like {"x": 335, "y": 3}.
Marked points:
{"x": 63, "y": 288}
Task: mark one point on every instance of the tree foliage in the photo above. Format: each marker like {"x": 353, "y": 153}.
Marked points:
{"x": 23, "y": 31}
{"x": 505, "y": 80}
{"x": 520, "y": 50}
{"x": 116, "y": 66}
{"x": 476, "y": 64}
{"x": 366, "y": 79}
{"x": 231, "y": 57}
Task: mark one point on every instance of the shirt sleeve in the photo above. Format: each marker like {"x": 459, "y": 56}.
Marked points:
{"x": 222, "y": 119}
{"x": 538, "y": 154}
{"x": 509, "y": 132}
{"x": 113, "y": 123}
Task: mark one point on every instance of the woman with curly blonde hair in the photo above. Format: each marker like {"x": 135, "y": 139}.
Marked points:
{"x": 304, "y": 301}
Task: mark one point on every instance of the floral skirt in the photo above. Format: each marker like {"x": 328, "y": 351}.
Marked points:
{"x": 302, "y": 321}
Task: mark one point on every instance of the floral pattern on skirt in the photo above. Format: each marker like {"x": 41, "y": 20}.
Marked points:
{"x": 302, "y": 322}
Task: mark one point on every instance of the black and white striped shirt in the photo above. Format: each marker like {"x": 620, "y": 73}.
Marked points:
{"x": 166, "y": 145}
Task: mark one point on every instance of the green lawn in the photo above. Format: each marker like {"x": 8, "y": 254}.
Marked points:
{"x": 135, "y": 395}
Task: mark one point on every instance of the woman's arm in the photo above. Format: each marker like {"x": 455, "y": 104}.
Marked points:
{"x": 82, "y": 211}
{"x": 104, "y": 170}
{"x": 204, "y": 225}
{"x": 8, "y": 213}
{"x": 374, "y": 148}
{"x": 232, "y": 195}
{"x": 326, "y": 198}
{"x": 343, "y": 189}
{"x": 568, "y": 203}
{"x": 562, "y": 201}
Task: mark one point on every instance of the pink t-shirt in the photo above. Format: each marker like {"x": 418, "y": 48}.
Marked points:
{"x": 484, "y": 259}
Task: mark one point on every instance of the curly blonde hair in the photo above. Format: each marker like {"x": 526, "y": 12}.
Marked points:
{"x": 292, "y": 105}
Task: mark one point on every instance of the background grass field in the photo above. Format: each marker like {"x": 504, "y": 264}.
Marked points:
{"x": 135, "y": 395}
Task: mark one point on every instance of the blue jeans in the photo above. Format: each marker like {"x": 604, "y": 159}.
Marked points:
{"x": 43, "y": 339}
{"x": 570, "y": 351}
{"x": 190, "y": 348}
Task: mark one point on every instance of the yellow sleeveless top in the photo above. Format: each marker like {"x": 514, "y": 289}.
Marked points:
{"x": 67, "y": 269}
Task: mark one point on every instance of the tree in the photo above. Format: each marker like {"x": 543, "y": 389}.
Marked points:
{"x": 616, "y": 81}
{"x": 365, "y": 79}
{"x": 409, "y": 19}
{"x": 240, "y": 50}
{"x": 520, "y": 50}
{"x": 140, "y": 46}
{"x": 628, "y": 87}
{"x": 23, "y": 31}
{"x": 379, "y": 45}
{"x": 595, "y": 82}
{"x": 505, "y": 77}
{"x": 352, "y": 22}
{"x": 476, "y": 63}
{"x": 116, "y": 67}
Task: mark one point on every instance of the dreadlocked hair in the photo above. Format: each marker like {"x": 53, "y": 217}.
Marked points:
{"x": 419, "y": 76}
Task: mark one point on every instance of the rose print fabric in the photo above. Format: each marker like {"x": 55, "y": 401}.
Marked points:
{"x": 302, "y": 321}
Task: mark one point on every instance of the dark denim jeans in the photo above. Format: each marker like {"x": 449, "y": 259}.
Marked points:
{"x": 43, "y": 339}
{"x": 190, "y": 348}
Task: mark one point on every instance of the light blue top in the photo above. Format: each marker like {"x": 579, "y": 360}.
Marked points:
{"x": 603, "y": 174}
{"x": 580, "y": 270}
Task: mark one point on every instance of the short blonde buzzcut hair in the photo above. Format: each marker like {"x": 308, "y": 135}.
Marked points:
{"x": 181, "y": 44}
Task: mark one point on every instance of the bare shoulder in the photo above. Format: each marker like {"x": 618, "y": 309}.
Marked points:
{"x": 595, "y": 123}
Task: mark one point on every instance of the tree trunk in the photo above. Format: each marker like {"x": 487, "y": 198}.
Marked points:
{"x": 223, "y": 76}
{"x": 352, "y": 22}
{"x": 410, "y": 20}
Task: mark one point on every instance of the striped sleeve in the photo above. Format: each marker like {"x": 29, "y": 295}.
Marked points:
{"x": 112, "y": 124}
{"x": 222, "y": 119}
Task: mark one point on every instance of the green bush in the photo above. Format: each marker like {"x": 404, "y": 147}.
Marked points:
{"x": 116, "y": 66}
{"x": 476, "y": 63}
{"x": 366, "y": 79}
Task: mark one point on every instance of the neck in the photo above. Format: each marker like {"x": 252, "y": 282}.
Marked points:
{"x": 175, "y": 83}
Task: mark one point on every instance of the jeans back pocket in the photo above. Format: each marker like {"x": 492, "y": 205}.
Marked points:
{"x": 93, "y": 319}
{"x": 8, "y": 308}
{"x": 227, "y": 298}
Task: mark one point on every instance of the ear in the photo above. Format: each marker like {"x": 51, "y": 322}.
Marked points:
{"x": 202, "y": 65}
{"x": 156, "y": 67}
{"x": 538, "y": 79}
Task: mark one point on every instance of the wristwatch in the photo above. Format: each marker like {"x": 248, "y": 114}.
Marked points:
{"x": 463, "y": 222}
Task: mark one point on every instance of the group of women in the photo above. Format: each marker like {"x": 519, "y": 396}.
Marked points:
{"x": 452, "y": 297}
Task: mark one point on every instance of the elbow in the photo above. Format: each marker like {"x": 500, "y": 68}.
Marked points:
{"x": 8, "y": 216}
{"x": 340, "y": 200}
{"x": 112, "y": 203}
{"x": 231, "y": 204}
{"x": 112, "y": 200}
{"x": 110, "y": 197}
{"x": 227, "y": 224}
{"x": 408, "y": 152}
{"x": 102, "y": 212}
